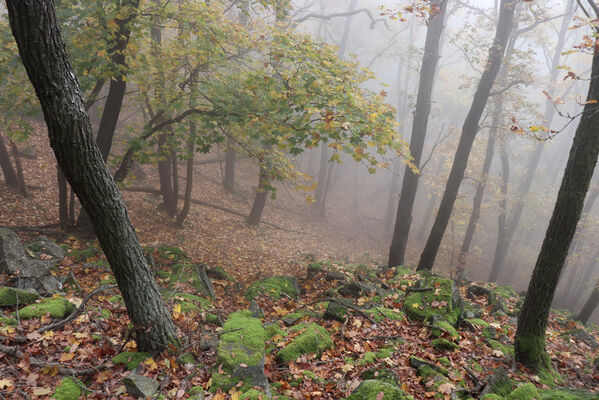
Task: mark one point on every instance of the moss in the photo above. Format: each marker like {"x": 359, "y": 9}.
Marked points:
{"x": 492, "y": 396}
{"x": 444, "y": 361}
{"x": 445, "y": 327}
{"x": 504, "y": 348}
{"x": 380, "y": 313}
{"x": 527, "y": 391}
{"x": 7, "y": 321}
{"x": 9, "y": 296}
{"x": 433, "y": 304}
{"x": 273, "y": 287}
{"x": 314, "y": 339}
{"x": 370, "y": 390}
{"x": 57, "y": 307}
{"x": 68, "y": 389}
{"x": 131, "y": 360}
{"x": 507, "y": 292}
{"x": 478, "y": 322}
{"x": 243, "y": 343}
{"x": 444, "y": 344}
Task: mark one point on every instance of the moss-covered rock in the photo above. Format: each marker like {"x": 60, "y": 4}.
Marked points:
{"x": 370, "y": 389}
{"x": 274, "y": 287}
{"x": 438, "y": 299}
{"x": 11, "y": 296}
{"x": 130, "y": 360}
{"x": 443, "y": 344}
{"x": 57, "y": 307}
{"x": 241, "y": 351}
{"x": 527, "y": 391}
{"x": 314, "y": 339}
{"x": 68, "y": 389}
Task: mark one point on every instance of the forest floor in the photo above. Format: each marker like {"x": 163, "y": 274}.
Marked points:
{"x": 361, "y": 341}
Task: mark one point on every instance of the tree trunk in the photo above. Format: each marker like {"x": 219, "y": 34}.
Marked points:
{"x": 229, "y": 181}
{"x": 10, "y": 177}
{"x": 478, "y": 195}
{"x": 63, "y": 199}
{"x": 37, "y": 33}
{"x": 189, "y": 178}
{"x": 590, "y": 305}
{"x": 409, "y": 187}
{"x": 530, "y": 335}
{"x": 469, "y": 131}
{"x": 19, "y": 166}
{"x": 535, "y": 158}
{"x": 259, "y": 200}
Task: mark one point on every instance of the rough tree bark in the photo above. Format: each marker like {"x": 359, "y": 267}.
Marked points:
{"x": 469, "y": 131}
{"x": 430, "y": 59}
{"x": 37, "y": 32}
{"x": 530, "y": 335}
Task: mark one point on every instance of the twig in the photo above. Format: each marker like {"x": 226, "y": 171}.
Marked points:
{"x": 77, "y": 311}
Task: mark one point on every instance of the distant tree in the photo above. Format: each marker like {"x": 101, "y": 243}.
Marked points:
{"x": 469, "y": 131}
{"x": 409, "y": 187}
{"x": 532, "y": 322}
{"x": 37, "y": 32}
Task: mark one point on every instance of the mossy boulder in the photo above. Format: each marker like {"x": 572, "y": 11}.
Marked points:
{"x": 68, "y": 389}
{"x": 130, "y": 360}
{"x": 241, "y": 351}
{"x": 433, "y": 299}
{"x": 56, "y": 307}
{"x": 10, "y": 296}
{"x": 314, "y": 339}
{"x": 443, "y": 344}
{"x": 274, "y": 287}
{"x": 527, "y": 391}
{"x": 370, "y": 390}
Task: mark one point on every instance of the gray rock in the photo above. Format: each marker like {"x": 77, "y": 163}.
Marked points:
{"x": 27, "y": 271}
{"x": 141, "y": 386}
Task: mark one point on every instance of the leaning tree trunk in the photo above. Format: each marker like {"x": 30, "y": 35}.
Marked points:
{"x": 430, "y": 59}
{"x": 10, "y": 176}
{"x": 37, "y": 32}
{"x": 532, "y": 323}
{"x": 469, "y": 131}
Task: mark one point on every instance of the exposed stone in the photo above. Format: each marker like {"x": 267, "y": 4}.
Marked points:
{"x": 274, "y": 287}
{"x": 141, "y": 386}
{"x": 26, "y": 270}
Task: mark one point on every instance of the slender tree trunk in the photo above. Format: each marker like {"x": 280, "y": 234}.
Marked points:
{"x": 10, "y": 177}
{"x": 19, "y": 166}
{"x": 37, "y": 33}
{"x": 532, "y": 323}
{"x": 480, "y": 190}
{"x": 469, "y": 131}
{"x": 409, "y": 187}
{"x": 259, "y": 200}
{"x": 590, "y": 305}
{"x": 63, "y": 200}
{"x": 535, "y": 158}
{"x": 189, "y": 178}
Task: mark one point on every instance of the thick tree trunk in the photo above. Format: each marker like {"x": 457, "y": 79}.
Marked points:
{"x": 37, "y": 33}
{"x": 409, "y": 187}
{"x": 530, "y": 335}
{"x": 535, "y": 158}
{"x": 259, "y": 200}
{"x": 469, "y": 131}
{"x": 10, "y": 177}
{"x": 590, "y": 305}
